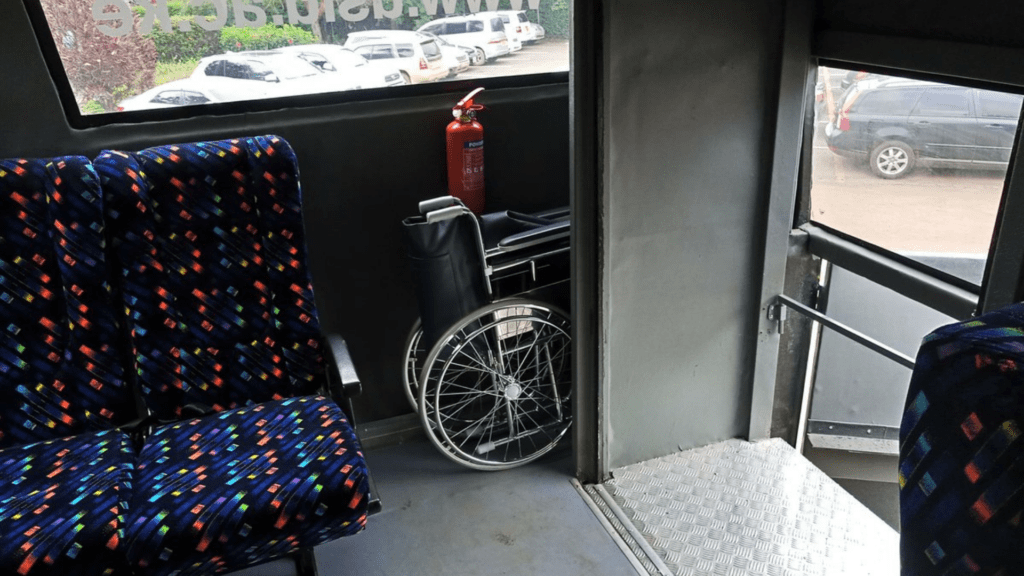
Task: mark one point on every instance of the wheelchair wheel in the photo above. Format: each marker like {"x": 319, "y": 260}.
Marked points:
{"x": 414, "y": 354}
{"x": 495, "y": 390}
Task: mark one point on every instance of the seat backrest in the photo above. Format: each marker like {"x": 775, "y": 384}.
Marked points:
{"x": 961, "y": 468}
{"x": 60, "y": 366}
{"x": 209, "y": 243}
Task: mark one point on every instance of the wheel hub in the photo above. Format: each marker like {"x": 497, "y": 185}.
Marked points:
{"x": 512, "y": 388}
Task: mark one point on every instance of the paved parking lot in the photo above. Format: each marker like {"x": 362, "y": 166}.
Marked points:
{"x": 548, "y": 55}
{"x": 927, "y": 211}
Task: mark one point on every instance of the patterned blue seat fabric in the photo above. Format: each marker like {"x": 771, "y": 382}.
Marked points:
{"x": 209, "y": 240}
{"x": 209, "y": 243}
{"x": 63, "y": 505}
{"x": 245, "y": 485}
{"x": 62, "y": 497}
{"x": 961, "y": 468}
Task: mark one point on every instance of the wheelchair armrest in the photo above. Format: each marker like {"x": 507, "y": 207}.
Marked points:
{"x": 340, "y": 367}
{"x": 536, "y": 236}
{"x": 554, "y": 214}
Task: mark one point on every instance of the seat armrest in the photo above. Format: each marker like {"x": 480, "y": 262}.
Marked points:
{"x": 341, "y": 371}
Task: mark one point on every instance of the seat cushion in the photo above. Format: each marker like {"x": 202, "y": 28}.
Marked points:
{"x": 209, "y": 245}
{"x": 962, "y": 450}
{"x": 60, "y": 368}
{"x": 237, "y": 488}
{"x": 62, "y": 505}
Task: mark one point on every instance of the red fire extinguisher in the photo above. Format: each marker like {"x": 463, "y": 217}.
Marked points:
{"x": 465, "y": 143}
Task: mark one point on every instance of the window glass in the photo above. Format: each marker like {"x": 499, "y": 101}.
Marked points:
{"x": 167, "y": 97}
{"x": 405, "y": 51}
{"x": 113, "y": 50}
{"x": 376, "y": 51}
{"x": 998, "y": 105}
{"x": 189, "y": 98}
{"x": 431, "y": 49}
{"x": 943, "y": 102}
{"x": 889, "y": 102}
{"x": 457, "y": 28}
{"x": 215, "y": 68}
{"x": 907, "y": 165}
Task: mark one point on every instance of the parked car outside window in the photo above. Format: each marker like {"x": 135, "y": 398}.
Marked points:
{"x": 416, "y": 55}
{"x": 185, "y": 92}
{"x": 485, "y": 34}
{"x": 898, "y": 124}
{"x": 271, "y": 73}
{"x": 456, "y": 58}
{"x": 517, "y": 32}
{"x": 335, "y": 59}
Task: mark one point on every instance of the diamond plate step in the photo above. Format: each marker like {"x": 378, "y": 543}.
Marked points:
{"x": 740, "y": 508}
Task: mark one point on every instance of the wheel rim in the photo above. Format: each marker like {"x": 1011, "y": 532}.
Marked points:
{"x": 414, "y": 354}
{"x": 480, "y": 56}
{"x": 499, "y": 396}
{"x": 892, "y": 160}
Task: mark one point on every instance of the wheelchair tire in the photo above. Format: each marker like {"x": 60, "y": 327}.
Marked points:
{"x": 495, "y": 390}
{"x": 411, "y": 363}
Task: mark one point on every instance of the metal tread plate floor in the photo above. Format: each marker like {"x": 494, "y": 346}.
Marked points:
{"x": 738, "y": 508}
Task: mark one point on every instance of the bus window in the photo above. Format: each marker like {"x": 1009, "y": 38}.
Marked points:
{"x": 112, "y": 50}
{"x": 913, "y": 167}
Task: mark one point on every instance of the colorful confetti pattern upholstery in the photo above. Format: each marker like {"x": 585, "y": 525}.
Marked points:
{"x": 210, "y": 242}
{"x": 60, "y": 373}
{"x": 62, "y": 505}
{"x": 961, "y": 468}
{"x": 207, "y": 256}
{"x": 246, "y": 485}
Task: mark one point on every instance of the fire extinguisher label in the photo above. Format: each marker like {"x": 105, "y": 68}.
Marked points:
{"x": 473, "y": 165}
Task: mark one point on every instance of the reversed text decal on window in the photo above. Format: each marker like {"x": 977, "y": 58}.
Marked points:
{"x": 122, "y": 55}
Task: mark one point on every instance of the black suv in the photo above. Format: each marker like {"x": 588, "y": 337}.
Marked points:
{"x": 898, "y": 123}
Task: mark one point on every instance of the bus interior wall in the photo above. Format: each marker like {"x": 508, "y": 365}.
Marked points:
{"x": 689, "y": 91}
{"x": 364, "y": 167}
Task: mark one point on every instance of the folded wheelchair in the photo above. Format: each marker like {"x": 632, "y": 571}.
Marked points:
{"x": 488, "y": 365}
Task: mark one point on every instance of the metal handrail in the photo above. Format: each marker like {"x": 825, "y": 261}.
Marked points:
{"x": 858, "y": 337}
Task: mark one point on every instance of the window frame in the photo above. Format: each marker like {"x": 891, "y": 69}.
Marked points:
{"x": 78, "y": 121}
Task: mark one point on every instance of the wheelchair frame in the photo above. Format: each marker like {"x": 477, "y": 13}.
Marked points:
{"x": 494, "y": 390}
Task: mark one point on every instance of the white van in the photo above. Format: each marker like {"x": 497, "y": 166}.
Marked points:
{"x": 416, "y": 55}
{"x": 485, "y": 34}
{"x": 517, "y": 27}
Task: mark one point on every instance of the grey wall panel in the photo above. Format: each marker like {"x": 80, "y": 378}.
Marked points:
{"x": 690, "y": 93}
{"x": 364, "y": 167}
{"x": 855, "y": 385}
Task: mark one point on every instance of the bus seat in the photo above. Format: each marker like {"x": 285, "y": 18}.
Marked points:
{"x": 65, "y": 469}
{"x": 961, "y": 466}
{"x": 208, "y": 243}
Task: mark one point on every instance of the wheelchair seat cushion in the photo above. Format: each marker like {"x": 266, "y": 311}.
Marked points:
{"x": 63, "y": 504}
{"x": 60, "y": 370}
{"x": 210, "y": 243}
{"x": 236, "y": 488}
{"x": 961, "y": 450}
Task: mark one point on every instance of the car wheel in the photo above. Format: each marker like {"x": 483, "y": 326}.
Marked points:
{"x": 892, "y": 159}
{"x": 479, "y": 57}
{"x": 405, "y": 76}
